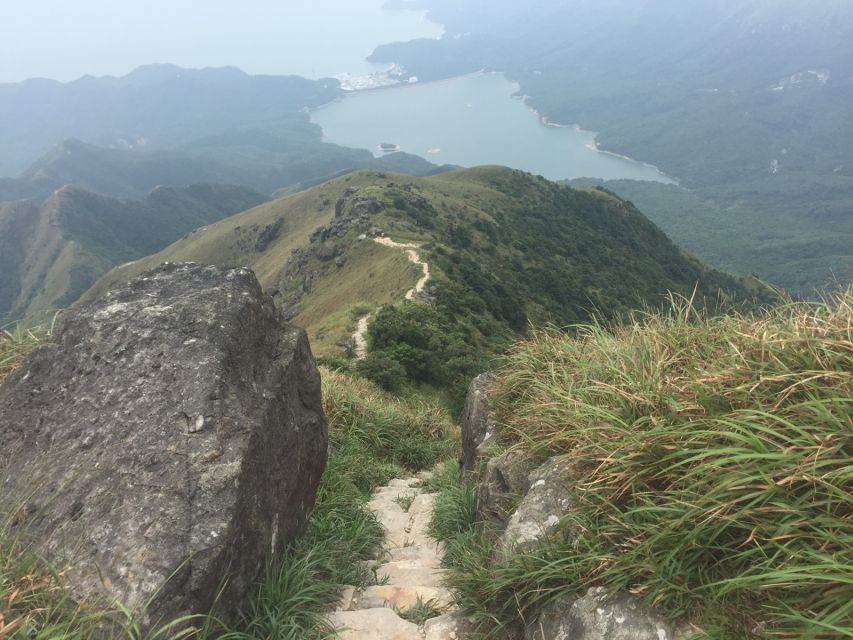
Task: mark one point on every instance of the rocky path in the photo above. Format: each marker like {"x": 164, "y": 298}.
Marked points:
{"x": 359, "y": 338}
{"x": 409, "y": 574}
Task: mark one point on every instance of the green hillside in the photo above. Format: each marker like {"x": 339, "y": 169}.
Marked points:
{"x": 768, "y": 141}
{"x": 52, "y": 253}
{"x": 504, "y": 248}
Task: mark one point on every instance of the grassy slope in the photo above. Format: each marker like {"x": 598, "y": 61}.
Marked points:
{"x": 503, "y": 246}
{"x": 713, "y": 471}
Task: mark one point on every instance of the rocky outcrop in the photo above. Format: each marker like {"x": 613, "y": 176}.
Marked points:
{"x": 599, "y": 616}
{"x": 541, "y": 510}
{"x": 167, "y": 442}
{"x": 477, "y": 423}
{"x": 504, "y": 482}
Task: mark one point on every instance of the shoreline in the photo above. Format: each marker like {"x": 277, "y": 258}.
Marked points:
{"x": 516, "y": 94}
{"x": 595, "y": 145}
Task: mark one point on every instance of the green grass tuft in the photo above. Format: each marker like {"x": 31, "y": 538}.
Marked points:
{"x": 16, "y": 342}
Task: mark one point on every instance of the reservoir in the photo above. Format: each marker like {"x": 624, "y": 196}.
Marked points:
{"x": 469, "y": 121}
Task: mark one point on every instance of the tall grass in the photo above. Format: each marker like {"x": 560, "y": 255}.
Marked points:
{"x": 16, "y": 342}
{"x": 715, "y": 457}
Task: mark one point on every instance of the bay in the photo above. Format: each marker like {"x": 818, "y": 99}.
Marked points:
{"x": 468, "y": 121}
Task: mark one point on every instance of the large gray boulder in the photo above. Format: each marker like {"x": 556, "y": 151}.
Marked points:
{"x": 600, "y": 616}
{"x": 167, "y": 442}
{"x": 478, "y": 426}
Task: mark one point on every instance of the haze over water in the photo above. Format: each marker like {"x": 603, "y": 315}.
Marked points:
{"x": 279, "y": 37}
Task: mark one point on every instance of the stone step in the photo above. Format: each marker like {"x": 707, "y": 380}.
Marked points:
{"x": 404, "y": 482}
{"x": 373, "y": 624}
{"x": 428, "y": 555}
{"x": 400, "y": 572}
{"x": 404, "y": 597}
{"x": 446, "y": 627}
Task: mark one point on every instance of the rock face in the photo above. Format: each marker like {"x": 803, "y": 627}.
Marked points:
{"x": 597, "y": 616}
{"x": 542, "y": 508}
{"x": 477, "y": 427}
{"x": 505, "y": 481}
{"x": 173, "y": 429}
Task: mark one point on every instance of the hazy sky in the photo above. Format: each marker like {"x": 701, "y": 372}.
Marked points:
{"x": 64, "y": 39}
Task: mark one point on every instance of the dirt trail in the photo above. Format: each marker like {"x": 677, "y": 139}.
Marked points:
{"x": 411, "y": 569}
{"x": 359, "y": 338}
{"x": 414, "y": 257}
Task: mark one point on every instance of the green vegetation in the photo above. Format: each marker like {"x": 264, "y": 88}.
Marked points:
{"x": 374, "y": 438}
{"x": 421, "y": 611}
{"x": 16, "y": 343}
{"x": 769, "y": 142}
{"x": 417, "y": 343}
{"x": 506, "y": 249}
{"x": 713, "y": 471}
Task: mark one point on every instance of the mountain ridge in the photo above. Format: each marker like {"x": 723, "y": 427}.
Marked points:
{"x": 504, "y": 249}
{"x": 51, "y": 252}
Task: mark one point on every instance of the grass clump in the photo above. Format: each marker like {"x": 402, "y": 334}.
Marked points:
{"x": 16, "y": 342}
{"x": 421, "y": 611}
{"x": 715, "y": 466}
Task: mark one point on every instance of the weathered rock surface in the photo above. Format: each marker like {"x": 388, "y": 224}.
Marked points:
{"x": 598, "y": 616}
{"x": 504, "y": 482}
{"x": 477, "y": 424}
{"x": 173, "y": 428}
{"x": 542, "y": 508}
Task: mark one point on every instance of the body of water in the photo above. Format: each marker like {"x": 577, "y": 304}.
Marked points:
{"x": 469, "y": 121}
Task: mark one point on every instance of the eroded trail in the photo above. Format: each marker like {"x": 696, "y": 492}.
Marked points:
{"x": 411, "y": 570}
{"x": 359, "y": 338}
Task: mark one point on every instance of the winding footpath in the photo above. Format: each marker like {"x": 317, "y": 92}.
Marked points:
{"x": 410, "y": 570}
{"x": 359, "y": 338}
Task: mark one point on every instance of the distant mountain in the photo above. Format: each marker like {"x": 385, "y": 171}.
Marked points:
{"x": 163, "y": 125}
{"x": 154, "y": 107}
{"x": 253, "y": 159}
{"x": 747, "y": 102}
{"x": 50, "y": 253}
{"x": 505, "y": 248}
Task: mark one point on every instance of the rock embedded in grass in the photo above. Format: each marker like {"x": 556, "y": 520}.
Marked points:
{"x": 167, "y": 441}
{"x": 478, "y": 426}
{"x": 541, "y": 510}
{"x": 599, "y": 616}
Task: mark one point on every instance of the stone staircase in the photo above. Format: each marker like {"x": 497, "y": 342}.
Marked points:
{"x": 410, "y": 575}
